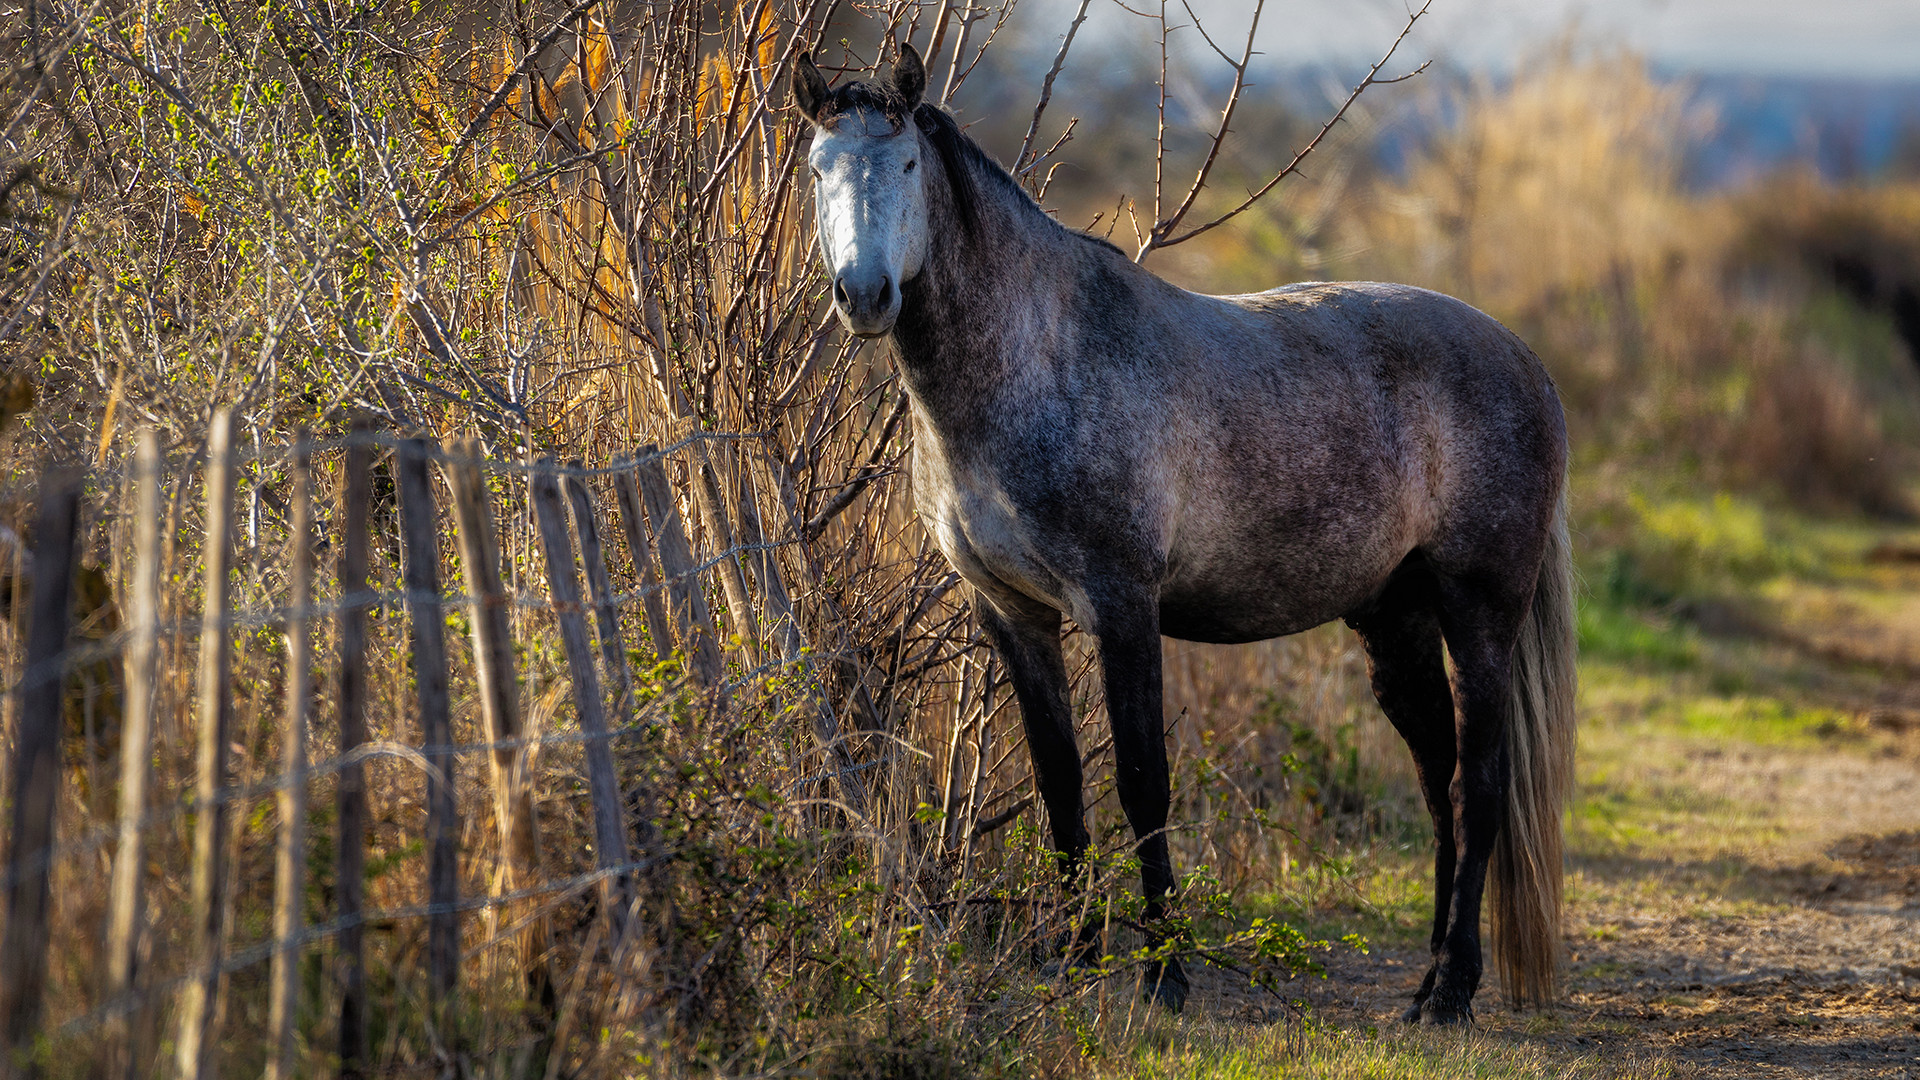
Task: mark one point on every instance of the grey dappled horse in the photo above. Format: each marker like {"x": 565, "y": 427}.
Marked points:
{"x": 1090, "y": 440}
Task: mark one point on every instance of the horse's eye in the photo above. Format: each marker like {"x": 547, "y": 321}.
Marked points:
{"x": 911, "y": 164}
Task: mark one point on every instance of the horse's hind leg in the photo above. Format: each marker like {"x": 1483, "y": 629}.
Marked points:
{"x": 1402, "y": 637}
{"x": 1480, "y": 617}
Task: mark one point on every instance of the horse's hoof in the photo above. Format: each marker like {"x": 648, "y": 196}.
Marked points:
{"x": 1411, "y": 1015}
{"x": 1167, "y": 986}
{"x": 1441, "y": 1010}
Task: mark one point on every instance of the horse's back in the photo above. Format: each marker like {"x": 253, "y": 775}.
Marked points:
{"x": 1470, "y": 408}
{"x": 1399, "y": 334}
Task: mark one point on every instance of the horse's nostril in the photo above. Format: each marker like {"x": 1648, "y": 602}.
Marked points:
{"x": 886, "y": 292}
{"x": 840, "y": 292}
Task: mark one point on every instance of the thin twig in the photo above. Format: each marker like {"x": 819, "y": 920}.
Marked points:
{"x": 1162, "y": 236}
{"x": 1162, "y": 227}
{"x": 1020, "y": 160}
{"x": 818, "y": 523}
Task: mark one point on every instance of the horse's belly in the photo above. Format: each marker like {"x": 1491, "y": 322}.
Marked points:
{"x": 994, "y": 562}
{"x": 1233, "y": 618}
{"x": 1234, "y": 603}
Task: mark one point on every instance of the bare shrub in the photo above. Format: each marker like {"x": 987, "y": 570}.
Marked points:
{"x": 1807, "y": 429}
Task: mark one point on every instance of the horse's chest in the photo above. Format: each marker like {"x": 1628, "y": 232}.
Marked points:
{"x": 983, "y": 532}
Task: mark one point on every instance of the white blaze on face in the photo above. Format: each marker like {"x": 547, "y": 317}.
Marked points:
{"x": 871, "y": 205}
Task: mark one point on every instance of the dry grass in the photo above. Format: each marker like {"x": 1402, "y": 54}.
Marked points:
{"x": 1226, "y": 1052}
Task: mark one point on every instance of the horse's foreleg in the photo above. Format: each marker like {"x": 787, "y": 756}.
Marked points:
{"x": 1030, "y": 645}
{"x": 1129, "y": 633}
{"x": 1402, "y": 639}
{"x": 1479, "y": 634}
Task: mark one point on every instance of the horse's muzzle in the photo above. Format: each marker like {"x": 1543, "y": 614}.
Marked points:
{"x": 867, "y": 303}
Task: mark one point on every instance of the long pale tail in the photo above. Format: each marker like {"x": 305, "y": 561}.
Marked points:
{"x": 1526, "y": 871}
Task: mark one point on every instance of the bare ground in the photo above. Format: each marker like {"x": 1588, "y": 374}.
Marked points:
{"x": 1818, "y": 975}
{"x": 1737, "y": 908}
{"x": 1821, "y": 978}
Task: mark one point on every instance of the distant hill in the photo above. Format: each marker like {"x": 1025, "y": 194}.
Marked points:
{"x": 1848, "y": 129}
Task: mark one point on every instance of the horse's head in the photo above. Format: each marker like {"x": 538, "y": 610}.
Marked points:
{"x": 869, "y": 192}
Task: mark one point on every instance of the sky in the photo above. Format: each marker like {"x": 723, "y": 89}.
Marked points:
{"x": 1875, "y": 39}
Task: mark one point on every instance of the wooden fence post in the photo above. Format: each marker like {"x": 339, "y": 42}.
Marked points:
{"x": 613, "y": 651}
{"x": 36, "y": 766}
{"x": 289, "y": 888}
{"x": 429, "y": 647}
{"x": 733, "y": 579}
{"x": 676, "y": 563}
{"x": 200, "y": 1000}
{"x": 125, "y": 911}
{"x": 633, "y": 522}
{"x": 350, "y": 852}
{"x": 16, "y": 622}
{"x": 500, "y": 703}
{"x": 609, "y": 835}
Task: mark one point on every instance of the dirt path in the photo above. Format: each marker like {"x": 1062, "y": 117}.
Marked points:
{"x": 1817, "y": 976}
{"x": 1736, "y": 909}
{"x": 1744, "y": 877}
{"x": 1822, "y": 979}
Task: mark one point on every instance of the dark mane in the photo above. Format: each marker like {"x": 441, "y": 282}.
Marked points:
{"x": 957, "y": 152}
{"x": 962, "y": 160}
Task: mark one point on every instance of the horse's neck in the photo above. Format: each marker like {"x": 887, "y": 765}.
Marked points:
{"x": 967, "y": 322}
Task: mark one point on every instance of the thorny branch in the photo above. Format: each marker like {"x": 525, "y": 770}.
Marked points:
{"x": 1162, "y": 235}
{"x": 1164, "y": 226}
{"x": 1020, "y": 161}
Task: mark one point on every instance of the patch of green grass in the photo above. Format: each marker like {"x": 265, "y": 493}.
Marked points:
{"x": 1636, "y": 810}
{"x": 1607, "y": 887}
{"x": 1760, "y": 720}
{"x": 1688, "y": 543}
{"x": 1662, "y": 539}
{"x": 1621, "y": 811}
{"x": 1719, "y": 707}
{"x": 1384, "y": 894}
{"x": 1613, "y": 631}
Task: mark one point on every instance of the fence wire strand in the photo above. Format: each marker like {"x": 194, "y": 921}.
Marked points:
{"x": 241, "y": 959}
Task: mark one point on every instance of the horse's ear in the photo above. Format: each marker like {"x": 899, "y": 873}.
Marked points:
{"x": 910, "y": 75}
{"x": 809, "y": 88}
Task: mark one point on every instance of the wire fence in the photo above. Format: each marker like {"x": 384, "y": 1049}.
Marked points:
{"x": 554, "y": 510}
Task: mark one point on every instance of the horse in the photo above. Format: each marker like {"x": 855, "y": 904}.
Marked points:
{"x": 1091, "y": 441}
